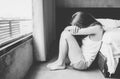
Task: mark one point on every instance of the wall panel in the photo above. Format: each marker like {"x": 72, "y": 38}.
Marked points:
{"x": 87, "y": 3}
{"x": 15, "y": 63}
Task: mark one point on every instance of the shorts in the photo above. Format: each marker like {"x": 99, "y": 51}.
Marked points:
{"x": 82, "y": 64}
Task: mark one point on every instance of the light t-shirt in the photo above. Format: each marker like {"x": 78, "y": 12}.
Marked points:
{"x": 90, "y": 49}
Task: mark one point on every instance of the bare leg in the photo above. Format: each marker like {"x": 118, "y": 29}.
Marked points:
{"x": 63, "y": 50}
{"x": 68, "y": 46}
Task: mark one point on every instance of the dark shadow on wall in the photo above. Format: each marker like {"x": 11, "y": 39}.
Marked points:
{"x": 63, "y": 19}
{"x": 63, "y": 15}
{"x": 54, "y": 50}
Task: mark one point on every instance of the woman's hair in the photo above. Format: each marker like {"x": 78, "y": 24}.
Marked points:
{"x": 82, "y": 19}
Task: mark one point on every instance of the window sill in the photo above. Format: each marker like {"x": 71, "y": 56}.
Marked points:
{"x": 13, "y": 39}
{"x": 7, "y": 46}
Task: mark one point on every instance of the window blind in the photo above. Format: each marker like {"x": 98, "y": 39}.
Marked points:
{"x": 12, "y": 29}
{"x": 9, "y": 28}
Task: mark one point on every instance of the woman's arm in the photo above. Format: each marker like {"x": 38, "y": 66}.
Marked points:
{"x": 83, "y": 31}
{"x": 90, "y": 30}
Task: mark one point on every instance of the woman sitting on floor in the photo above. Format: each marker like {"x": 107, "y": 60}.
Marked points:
{"x": 80, "y": 56}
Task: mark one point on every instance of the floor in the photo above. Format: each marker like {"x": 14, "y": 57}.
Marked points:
{"x": 39, "y": 71}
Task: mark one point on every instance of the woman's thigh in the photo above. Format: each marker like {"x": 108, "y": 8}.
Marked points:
{"x": 74, "y": 50}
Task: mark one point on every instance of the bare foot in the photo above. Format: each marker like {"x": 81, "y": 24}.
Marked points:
{"x": 56, "y": 66}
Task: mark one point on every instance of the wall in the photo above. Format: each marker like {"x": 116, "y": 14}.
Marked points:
{"x": 15, "y": 63}
{"x": 38, "y": 31}
{"x": 49, "y": 24}
{"x": 44, "y": 27}
{"x": 65, "y": 9}
{"x": 87, "y": 3}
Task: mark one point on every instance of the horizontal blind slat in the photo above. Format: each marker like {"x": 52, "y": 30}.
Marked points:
{"x": 4, "y": 22}
{"x": 4, "y": 36}
{"x": 10, "y": 28}
{"x": 4, "y": 33}
{"x": 4, "y": 25}
{"x": 15, "y": 29}
{"x": 15, "y": 25}
{"x": 4, "y": 28}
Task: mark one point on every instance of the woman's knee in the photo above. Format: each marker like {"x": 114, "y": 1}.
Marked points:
{"x": 65, "y": 34}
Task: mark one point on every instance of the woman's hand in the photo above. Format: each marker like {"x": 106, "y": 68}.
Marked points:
{"x": 72, "y": 29}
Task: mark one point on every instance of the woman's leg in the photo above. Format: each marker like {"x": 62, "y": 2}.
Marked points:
{"x": 63, "y": 50}
{"x": 68, "y": 46}
{"x": 75, "y": 53}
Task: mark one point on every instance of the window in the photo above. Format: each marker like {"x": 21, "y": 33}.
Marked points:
{"x": 15, "y": 19}
{"x": 11, "y": 29}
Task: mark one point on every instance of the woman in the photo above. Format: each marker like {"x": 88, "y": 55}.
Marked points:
{"x": 80, "y": 56}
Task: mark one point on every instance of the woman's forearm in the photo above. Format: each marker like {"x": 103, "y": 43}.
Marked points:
{"x": 84, "y": 31}
{"x": 89, "y": 30}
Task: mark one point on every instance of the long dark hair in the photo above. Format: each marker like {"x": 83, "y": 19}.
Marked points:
{"x": 83, "y": 20}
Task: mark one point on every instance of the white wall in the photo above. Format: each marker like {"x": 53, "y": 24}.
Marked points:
{"x": 44, "y": 27}
{"x": 38, "y": 30}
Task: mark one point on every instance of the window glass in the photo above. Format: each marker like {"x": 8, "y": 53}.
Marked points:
{"x": 15, "y": 19}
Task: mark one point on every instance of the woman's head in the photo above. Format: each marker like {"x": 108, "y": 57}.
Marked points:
{"x": 82, "y": 19}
